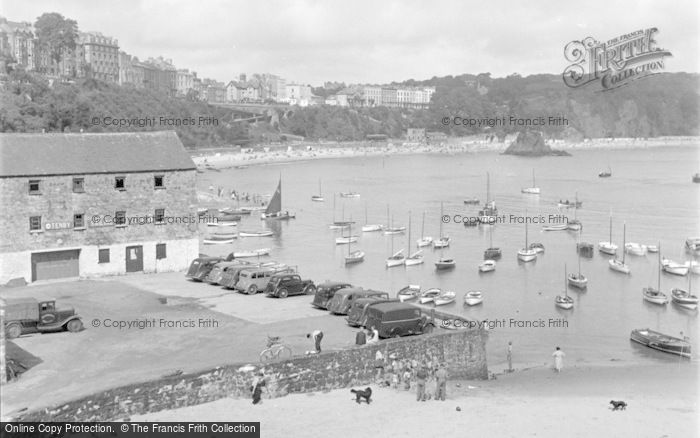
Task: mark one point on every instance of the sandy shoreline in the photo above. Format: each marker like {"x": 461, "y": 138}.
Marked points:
{"x": 314, "y": 151}
{"x": 662, "y": 401}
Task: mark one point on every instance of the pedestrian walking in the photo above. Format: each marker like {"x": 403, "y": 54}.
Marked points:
{"x": 558, "y": 359}
{"x": 510, "y": 356}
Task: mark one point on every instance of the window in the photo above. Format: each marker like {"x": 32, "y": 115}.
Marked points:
{"x": 158, "y": 182}
{"x": 119, "y": 183}
{"x": 120, "y": 218}
{"x": 35, "y": 223}
{"x": 78, "y": 185}
{"x": 103, "y": 256}
{"x": 79, "y": 220}
{"x": 159, "y": 217}
{"x": 160, "y": 251}
{"x": 34, "y": 187}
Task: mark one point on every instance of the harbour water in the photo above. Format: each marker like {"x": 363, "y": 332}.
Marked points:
{"x": 650, "y": 190}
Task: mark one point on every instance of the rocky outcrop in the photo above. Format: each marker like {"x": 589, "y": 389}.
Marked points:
{"x": 531, "y": 144}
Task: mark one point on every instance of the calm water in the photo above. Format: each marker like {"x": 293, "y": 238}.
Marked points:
{"x": 650, "y": 190}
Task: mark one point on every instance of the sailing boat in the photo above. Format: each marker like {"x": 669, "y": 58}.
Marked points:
{"x": 444, "y": 263}
{"x": 319, "y": 197}
{"x": 491, "y": 252}
{"x": 417, "y": 257}
{"x": 338, "y": 225}
{"x": 274, "y": 208}
{"x": 684, "y": 298}
{"x": 443, "y": 241}
{"x": 652, "y": 295}
{"x": 527, "y": 254}
{"x": 534, "y": 190}
{"x": 390, "y": 228}
{"x": 367, "y": 227}
{"x": 608, "y": 247}
{"x": 487, "y": 215}
{"x": 575, "y": 224}
{"x": 424, "y": 240}
{"x": 617, "y": 264}
{"x": 578, "y": 280}
{"x": 564, "y": 301}
{"x": 356, "y": 256}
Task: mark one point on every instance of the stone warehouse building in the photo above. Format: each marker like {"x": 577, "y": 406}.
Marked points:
{"x": 81, "y": 205}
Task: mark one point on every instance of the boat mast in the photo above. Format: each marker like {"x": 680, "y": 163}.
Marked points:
{"x": 566, "y": 292}
{"x": 422, "y": 228}
{"x": 526, "y": 248}
{"x": 578, "y": 251}
{"x": 624, "y": 241}
{"x": 409, "y": 233}
{"x": 488, "y": 188}
{"x": 441, "y": 214}
{"x": 659, "y": 269}
{"x": 533, "y": 177}
{"x": 610, "y": 238}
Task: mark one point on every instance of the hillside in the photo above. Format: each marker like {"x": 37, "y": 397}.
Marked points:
{"x": 661, "y": 105}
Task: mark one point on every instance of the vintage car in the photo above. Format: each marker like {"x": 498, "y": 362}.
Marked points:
{"x": 344, "y": 298}
{"x": 28, "y": 315}
{"x": 395, "y": 319}
{"x": 200, "y": 267}
{"x": 286, "y": 284}
{"x": 357, "y": 315}
{"x": 217, "y": 273}
{"x": 252, "y": 281}
{"x": 325, "y": 291}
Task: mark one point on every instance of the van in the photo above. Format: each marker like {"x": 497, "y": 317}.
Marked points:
{"x": 252, "y": 281}
{"x": 326, "y": 291}
{"x": 357, "y": 315}
{"x": 229, "y": 278}
{"x": 344, "y": 298}
{"x": 395, "y": 319}
{"x": 200, "y": 267}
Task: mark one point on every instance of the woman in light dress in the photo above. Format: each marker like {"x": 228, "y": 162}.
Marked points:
{"x": 558, "y": 359}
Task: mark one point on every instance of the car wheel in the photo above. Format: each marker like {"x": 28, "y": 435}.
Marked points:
{"x": 74, "y": 326}
{"x": 310, "y": 290}
{"x": 282, "y": 293}
{"x": 428, "y": 328}
{"x": 395, "y": 333}
{"x": 13, "y": 331}
{"x": 252, "y": 289}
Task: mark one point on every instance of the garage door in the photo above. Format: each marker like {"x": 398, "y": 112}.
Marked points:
{"x": 55, "y": 264}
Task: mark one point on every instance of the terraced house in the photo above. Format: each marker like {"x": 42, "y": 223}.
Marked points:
{"x": 82, "y": 205}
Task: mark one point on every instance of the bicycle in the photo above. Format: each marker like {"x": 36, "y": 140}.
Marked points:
{"x": 275, "y": 350}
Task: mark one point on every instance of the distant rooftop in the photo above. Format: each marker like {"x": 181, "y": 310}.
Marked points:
{"x": 75, "y": 154}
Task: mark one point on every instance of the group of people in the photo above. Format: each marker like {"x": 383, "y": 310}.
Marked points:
{"x": 429, "y": 377}
{"x": 369, "y": 336}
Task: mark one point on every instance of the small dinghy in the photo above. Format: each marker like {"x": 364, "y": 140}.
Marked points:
{"x": 429, "y": 295}
{"x": 408, "y": 293}
{"x": 446, "y": 297}
{"x": 473, "y": 298}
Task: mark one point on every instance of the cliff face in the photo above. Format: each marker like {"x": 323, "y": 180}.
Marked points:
{"x": 531, "y": 144}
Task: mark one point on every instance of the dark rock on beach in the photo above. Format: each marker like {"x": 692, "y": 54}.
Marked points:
{"x": 531, "y": 144}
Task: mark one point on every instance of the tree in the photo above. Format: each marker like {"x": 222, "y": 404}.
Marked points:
{"x": 56, "y": 34}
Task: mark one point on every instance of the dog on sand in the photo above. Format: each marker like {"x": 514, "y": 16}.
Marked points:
{"x": 618, "y": 405}
{"x": 362, "y": 394}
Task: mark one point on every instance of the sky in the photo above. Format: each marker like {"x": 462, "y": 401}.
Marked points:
{"x": 374, "y": 42}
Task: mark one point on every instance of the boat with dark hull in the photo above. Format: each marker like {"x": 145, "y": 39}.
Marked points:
{"x": 661, "y": 342}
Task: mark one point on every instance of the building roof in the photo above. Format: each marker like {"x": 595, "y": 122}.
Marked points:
{"x": 75, "y": 154}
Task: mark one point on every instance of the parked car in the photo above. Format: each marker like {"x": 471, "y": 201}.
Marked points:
{"x": 357, "y": 315}
{"x": 217, "y": 273}
{"x": 252, "y": 281}
{"x": 200, "y": 267}
{"x": 344, "y": 298}
{"x": 284, "y": 285}
{"x": 28, "y": 315}
{"x": 325, "y": 291}
{"x": 395, "y": 319}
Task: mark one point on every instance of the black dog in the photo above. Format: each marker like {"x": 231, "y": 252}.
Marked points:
{"x": 360, "y": 394}
{"x": 618, "y": 405}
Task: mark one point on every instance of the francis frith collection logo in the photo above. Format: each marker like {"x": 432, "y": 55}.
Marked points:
{"x": 616, "y": 62}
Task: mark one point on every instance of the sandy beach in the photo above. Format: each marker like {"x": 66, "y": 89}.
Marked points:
{"x": 662, "y": 402}
{"x": 222, "y": 159}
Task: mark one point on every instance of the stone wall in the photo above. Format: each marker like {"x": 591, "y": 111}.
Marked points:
{"x": 464, "y": 352}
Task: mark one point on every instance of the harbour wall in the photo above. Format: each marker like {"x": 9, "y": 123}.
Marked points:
{"x": 463, "y": 352}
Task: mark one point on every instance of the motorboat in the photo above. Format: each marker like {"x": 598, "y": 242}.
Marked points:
{"x": 635, "y": 249}
{"x": 674, "y": 268}
{"x": 487, "y": 266}
{"x": 472, "y": 298}
{"x": 444, "y": 263}
{"x": 408, "y": 293}
{"x": 429, "y": 295}
{"x": 661, "y": 342}
{"x": 446, "y": 297}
